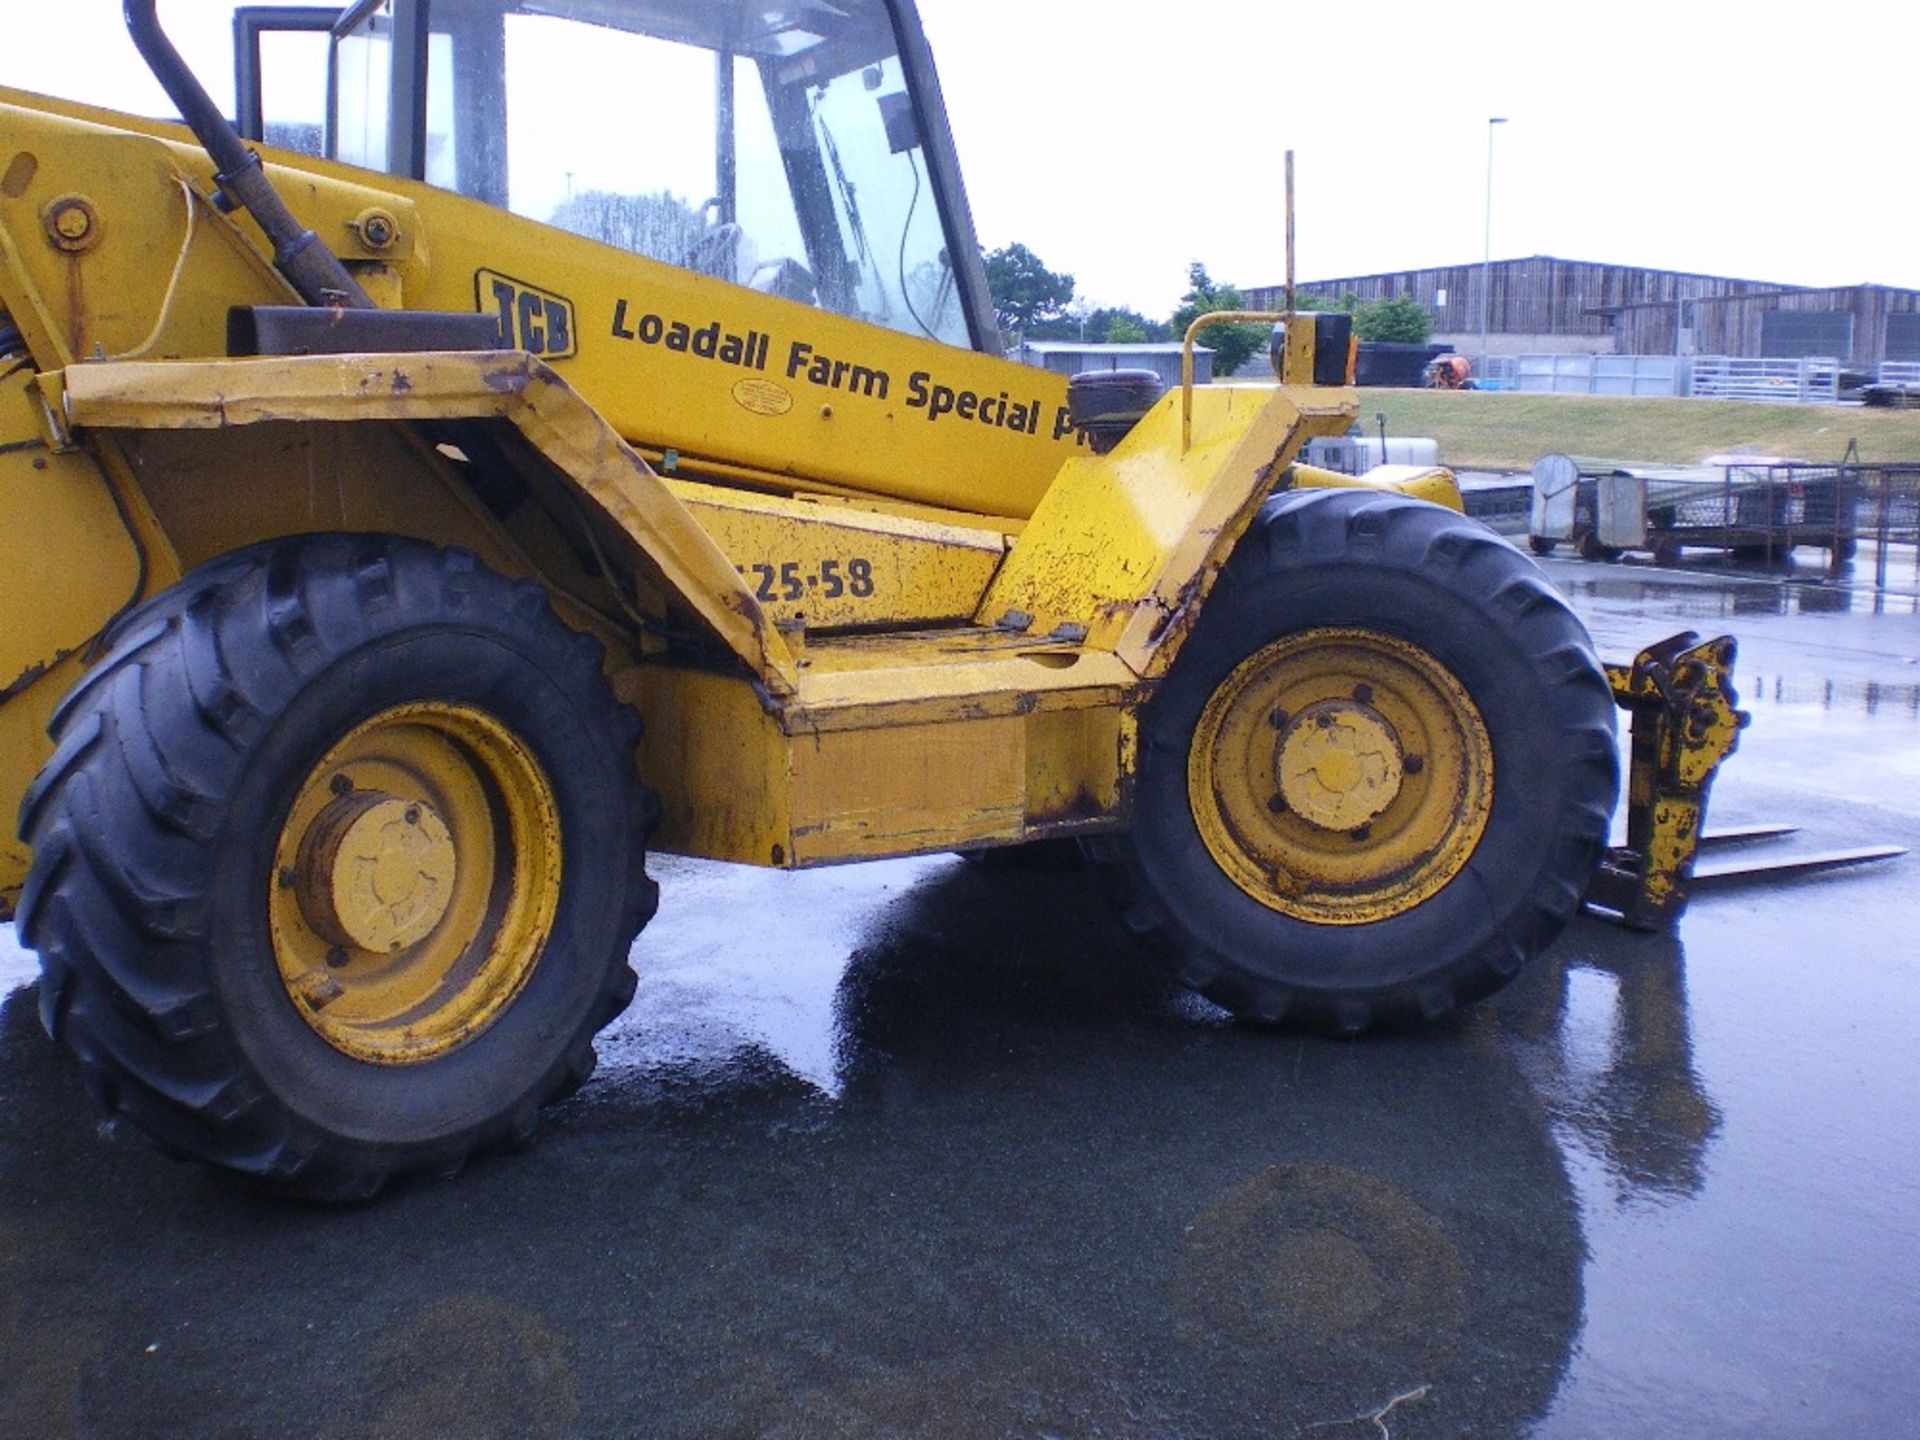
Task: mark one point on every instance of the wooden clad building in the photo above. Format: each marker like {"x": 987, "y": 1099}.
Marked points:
{"x": 1546, "y": 304}
{"x": 1858, "y": 325}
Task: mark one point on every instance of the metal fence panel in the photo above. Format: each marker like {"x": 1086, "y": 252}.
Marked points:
{"x": 1497, "y": 372}
{"x": 1554, "y": 374}
{"x": 1599, "y": 374}
{"x": 1887, "y": 512}
{"x": 1638, "y": 375}
{"x": 1797, "y": 382}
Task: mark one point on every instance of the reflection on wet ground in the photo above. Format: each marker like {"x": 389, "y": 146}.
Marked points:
{"x": 1833, "y": 684}
{"x": 1723, "y": 594}
{"x": 918, "y": 1148}
{"x": 1605, "y": 1037}
{"x": 1038, "y": 1194}
{"x": 1872, "y": 696}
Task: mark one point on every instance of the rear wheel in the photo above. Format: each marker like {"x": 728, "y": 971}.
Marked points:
{"x": 337, "y": 864}
{"x": 1378, "y": 776}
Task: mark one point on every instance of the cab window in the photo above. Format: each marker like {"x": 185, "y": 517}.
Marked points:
{"x": 772, "y": 145}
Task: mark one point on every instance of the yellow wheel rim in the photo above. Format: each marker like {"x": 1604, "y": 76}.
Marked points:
{"x": 1340, "y": 776}
{"x": 415, "y": 882}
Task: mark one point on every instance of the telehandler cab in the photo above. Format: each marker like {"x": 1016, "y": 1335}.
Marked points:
{"x": 623, "y": 361}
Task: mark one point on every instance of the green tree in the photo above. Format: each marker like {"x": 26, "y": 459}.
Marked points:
{"x": 1103, "y": 325}
{"x": 1402, "y": 318}
{"x": 1309, "y": 301}
{"x": 1232, "y": 345}
{"x": 1070, "y": 325}
{"x": 1025, "y": 292}
{"x": 1123, "y": 325}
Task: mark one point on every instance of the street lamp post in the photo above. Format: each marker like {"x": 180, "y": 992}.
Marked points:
{"x": 1486, "y": 254}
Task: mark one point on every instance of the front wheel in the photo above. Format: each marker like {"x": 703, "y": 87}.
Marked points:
{"x": 1378, "y": 776}
{"x": 337, "y": 863}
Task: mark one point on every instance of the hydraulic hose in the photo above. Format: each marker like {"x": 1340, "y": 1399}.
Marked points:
{"x": 313, "y": 270}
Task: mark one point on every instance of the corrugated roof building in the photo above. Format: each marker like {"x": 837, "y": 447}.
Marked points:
{"x": 1070, "y": 357}
{"x": 1543, "y": 304}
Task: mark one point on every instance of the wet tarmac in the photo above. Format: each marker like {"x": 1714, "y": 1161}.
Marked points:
{"x": 919, "y": 1148}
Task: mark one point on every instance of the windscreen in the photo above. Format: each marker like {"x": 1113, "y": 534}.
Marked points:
{"x": 774, "y": 145}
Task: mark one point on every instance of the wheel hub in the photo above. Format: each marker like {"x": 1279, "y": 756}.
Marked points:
{"x": 1340, "y": 775}
{"x": 376, "y": 872}
{"x": 415, "y": 882}
{"x": 1339, "y": 765}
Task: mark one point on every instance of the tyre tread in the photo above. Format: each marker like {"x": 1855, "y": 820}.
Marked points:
{"x": 1351, "y": 531}
{"x": 117, "y": 899}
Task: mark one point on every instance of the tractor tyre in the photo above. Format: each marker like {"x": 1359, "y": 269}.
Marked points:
{"x": 1377, "y": 778}
{"x": 1542, "y": 545}
{"x": 337, "y": 863}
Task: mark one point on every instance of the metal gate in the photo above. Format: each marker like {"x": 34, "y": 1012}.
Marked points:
{"x": 1796, "y": 382}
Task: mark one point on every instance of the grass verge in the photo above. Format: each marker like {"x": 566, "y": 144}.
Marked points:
{"x": 1500, "y": 430}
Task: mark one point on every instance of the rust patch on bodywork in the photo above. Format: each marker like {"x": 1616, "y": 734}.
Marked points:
{"x": 1082, "y": 805}
{"x": 1176, "y": 618}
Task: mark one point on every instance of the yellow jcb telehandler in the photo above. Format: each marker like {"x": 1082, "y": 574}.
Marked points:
{"x": 593, "y": 438}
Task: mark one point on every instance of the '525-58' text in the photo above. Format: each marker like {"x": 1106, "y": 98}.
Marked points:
{"x": 788, "y": 580}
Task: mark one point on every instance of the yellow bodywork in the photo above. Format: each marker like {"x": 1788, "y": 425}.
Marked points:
{"x": 779, "y": 393}
{"x": 1431, "y": 483}
{"x": 816, "y": 747}
{"x": 872, "y": 593}
{"x": 1118, "y": 550}
{"x": 817, "y": 564}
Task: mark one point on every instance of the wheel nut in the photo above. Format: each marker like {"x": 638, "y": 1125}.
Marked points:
{"x": 1413, "y": 764}
{"x": 1277, "y": 803}
{"x": 1363, "y": 694}
{"x": 336, "y": 957}
{"x": 1278, "y": 719}
{"x": 340, "y": 784}
{"x": 288, "y": 877}
{"x": 1364, "y": 832}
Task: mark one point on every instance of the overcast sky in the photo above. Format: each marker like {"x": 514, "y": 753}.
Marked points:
{"x": 1733, "y": 139}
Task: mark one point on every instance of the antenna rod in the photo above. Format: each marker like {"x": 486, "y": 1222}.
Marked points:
{"x": 1289, "y": 232}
